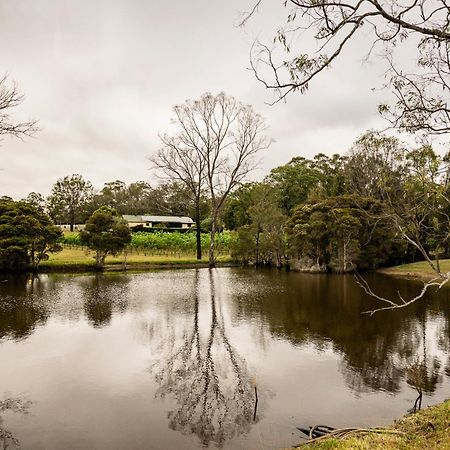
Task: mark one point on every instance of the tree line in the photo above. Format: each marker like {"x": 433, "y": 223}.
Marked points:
{"x": 73, "y": 199}
{"x": 381, "y": 203}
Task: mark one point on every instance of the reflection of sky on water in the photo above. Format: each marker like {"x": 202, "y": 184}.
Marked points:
{"x": 171, "y": 358}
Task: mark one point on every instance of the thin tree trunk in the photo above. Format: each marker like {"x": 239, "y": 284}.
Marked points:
{"x": 257, "y": 247}
{"x": 212, "y": 259}
{"x": 72, "y": 221}
{"x": 345, "y": 257}
{"x": 198, "y": 231}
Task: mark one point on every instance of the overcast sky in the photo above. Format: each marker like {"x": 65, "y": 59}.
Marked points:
{"x": 102, "y": 76}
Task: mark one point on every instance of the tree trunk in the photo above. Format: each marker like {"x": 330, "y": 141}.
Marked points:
{"x": 198, "y": 231}
{"x": 212, "y": 259}
{"x": 257, "y": 247}
{"x": 72, "y": 221}
{"x": 345, "y": 257}
{"x": 279, "y": 262}
{"x": 100, "y": 259}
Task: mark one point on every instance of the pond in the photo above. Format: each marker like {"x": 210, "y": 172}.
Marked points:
{"x": 225, "y": 358}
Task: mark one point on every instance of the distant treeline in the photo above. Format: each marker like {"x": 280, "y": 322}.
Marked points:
{"x": 381, "y": 203}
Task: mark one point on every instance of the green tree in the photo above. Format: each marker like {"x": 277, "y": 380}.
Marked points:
{"x": 344, "y": 239}
{"x": 113, "y": 194}
{"x": 294, "y": 181}
{"x": 236, "y": 213}
{"x": 341, "y": 233}
{"x": 69, "y": 199}
{"x": 26, "y": 236}
{"x": 376, "y": 166}
{"x": 37, "y": 200}
{"x": 106, "y": 233}
{"x": 261, "y": 235}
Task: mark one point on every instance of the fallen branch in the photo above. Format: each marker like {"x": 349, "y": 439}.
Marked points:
{"x": 437, "y": 282}
{"x": 341, "y": 433}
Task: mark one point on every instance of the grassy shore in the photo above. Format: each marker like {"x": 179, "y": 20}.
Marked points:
{"x": 416, "y": 270}
{"x": 428, "y": 429}
{"x": 82, "y": 259}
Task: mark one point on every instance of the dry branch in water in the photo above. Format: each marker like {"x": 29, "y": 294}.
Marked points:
{"x": 402, "y": 303}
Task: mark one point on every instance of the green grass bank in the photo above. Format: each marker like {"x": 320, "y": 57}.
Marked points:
{"x": 420, "y": 269}
{"x": 79, "y": 259}
{"x": 428, "y": 429}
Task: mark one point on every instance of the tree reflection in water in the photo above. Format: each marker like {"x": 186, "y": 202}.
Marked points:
{"x": 102, "y": 297}
{"x": 326, "y": 311}
{"x": 20, "y": 307}
{"x": 209, "y": 381}
{"x": 16, "y": 405}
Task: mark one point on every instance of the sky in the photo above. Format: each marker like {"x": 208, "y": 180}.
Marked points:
{"x": 102, "y": 76}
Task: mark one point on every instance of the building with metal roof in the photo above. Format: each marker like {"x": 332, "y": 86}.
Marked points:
{"x": 157, "y": 221}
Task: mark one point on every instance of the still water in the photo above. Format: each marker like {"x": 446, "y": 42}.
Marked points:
{"x": 228, "y": 358}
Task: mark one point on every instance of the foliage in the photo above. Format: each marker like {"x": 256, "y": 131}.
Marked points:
{"x": 261, "y": 237}
{"x": 384, "y": 29}
{"x": 27, "y": 235}
{"x": 376, "y": 165}
{"x": 294, "y": 182}
{"x": 342, "y": 233}
{"x": 105, "y": 232}
{"x": 160, "y": 241}
{"x": 301, "y": 178}
{"x": 69, "y": 199}
{"x": 141, "y": 198}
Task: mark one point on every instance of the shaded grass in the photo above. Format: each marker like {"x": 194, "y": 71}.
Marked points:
{"x": 421, "y": 267}
{"x": 427, "y": 429}
{"x": 419, "y": 270}
{"x": 82, "y": 257}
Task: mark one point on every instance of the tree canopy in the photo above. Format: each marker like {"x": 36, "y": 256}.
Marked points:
{"x": 27, "y": 235}
{"x": 69, "y": 199}
{"x": 106, "y": 233}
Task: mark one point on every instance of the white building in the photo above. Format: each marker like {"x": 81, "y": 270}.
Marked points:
{"x": 155, "y": 221}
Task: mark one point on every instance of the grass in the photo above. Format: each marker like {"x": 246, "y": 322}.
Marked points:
{"x": 417, "y": 269}
{"x": 428, "y": 429}
{"x": 81, "y": 257}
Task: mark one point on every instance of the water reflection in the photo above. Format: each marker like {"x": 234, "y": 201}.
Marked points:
{"x": 20, "y": 313}
{"x": 215, "y": 394}
{"x": 102, "y": 296}
{"x": 327, "y": 311}
{"x": 74, "y": 343}
{"x": 15, "y": 405}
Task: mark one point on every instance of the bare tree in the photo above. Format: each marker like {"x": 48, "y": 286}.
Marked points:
{"x": 387, "y": 25}
{"x": 179, "y": 158}
{"x": 213, "y": 149}
{"x": 11, "y": 98}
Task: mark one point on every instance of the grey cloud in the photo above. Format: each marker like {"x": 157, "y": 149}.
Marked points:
{"x": 103, "y": 76}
